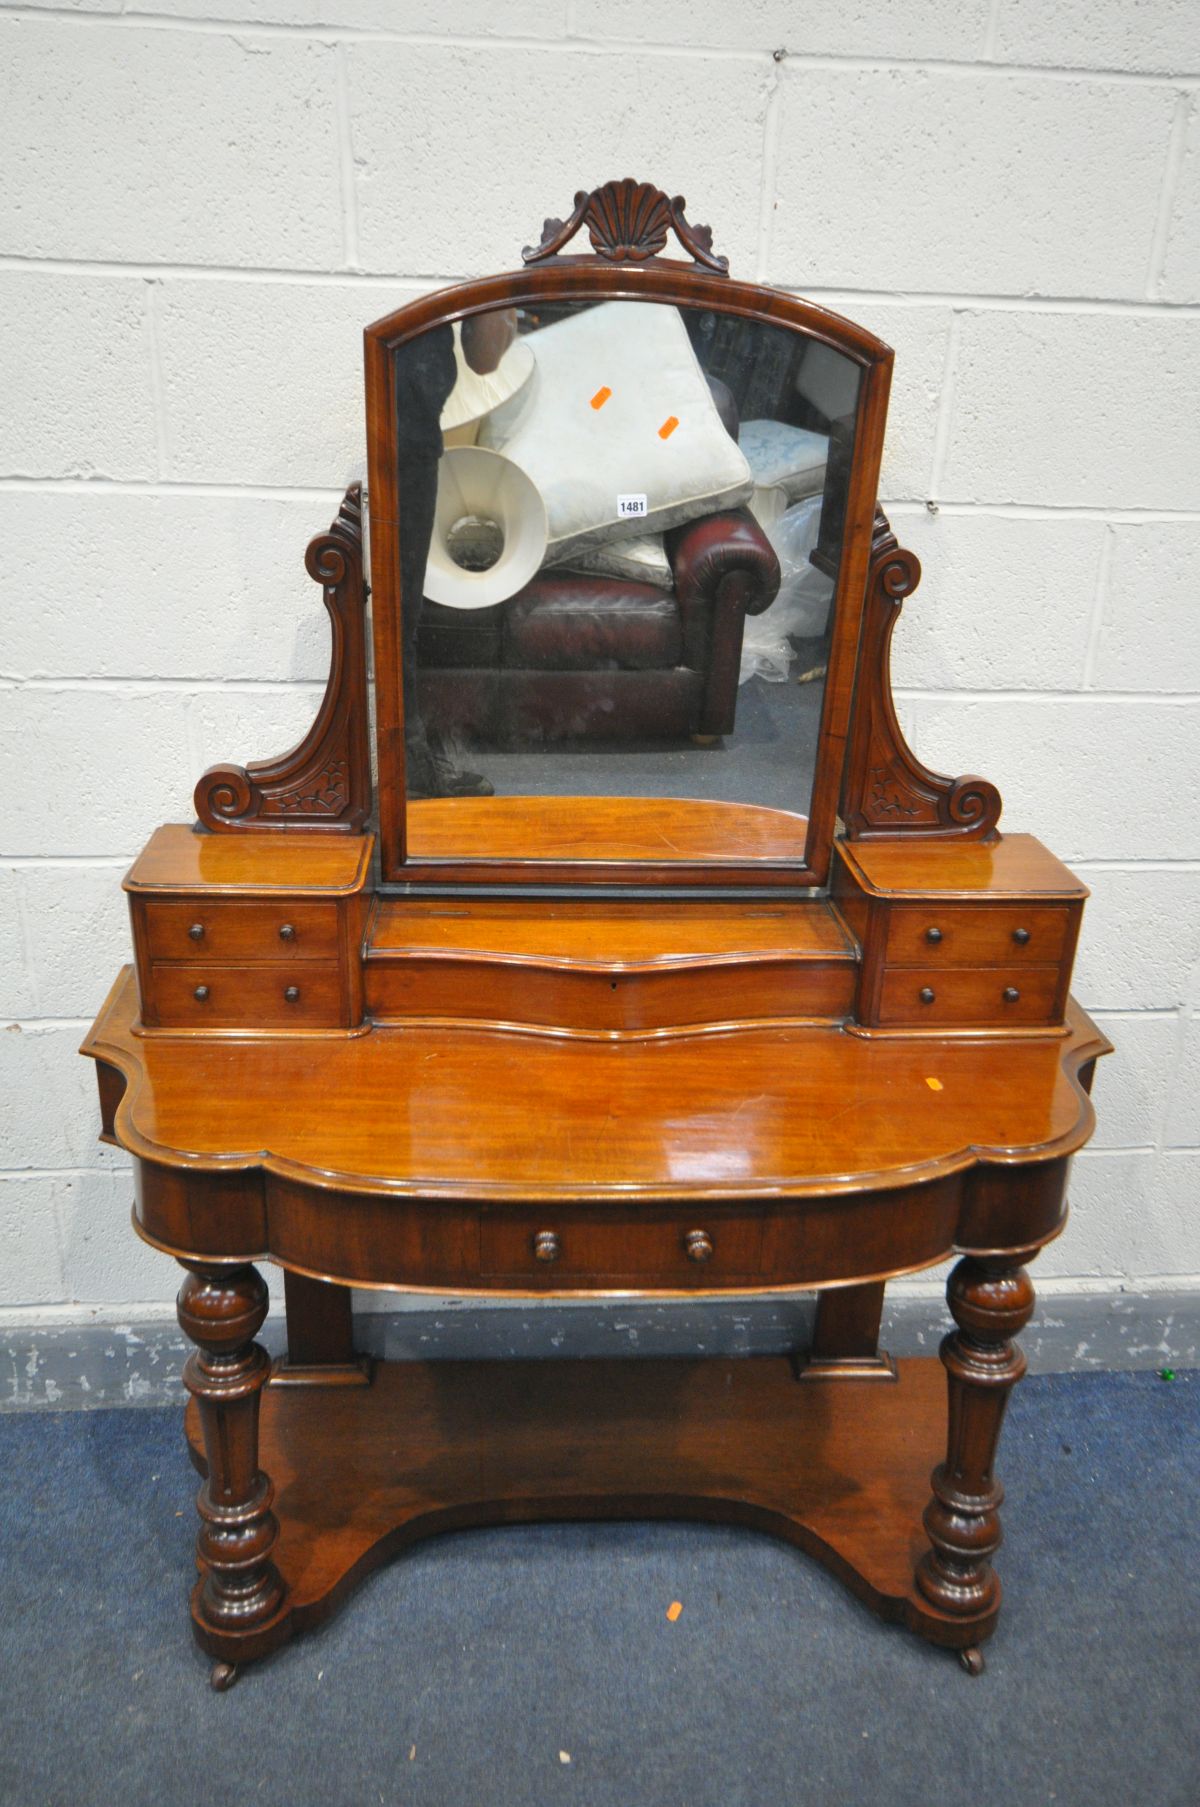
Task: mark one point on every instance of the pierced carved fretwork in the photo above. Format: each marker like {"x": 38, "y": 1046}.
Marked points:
{"x": 628, "y": 222}
{"x": 887, "y": 791}
{"x": 325, "y": 782}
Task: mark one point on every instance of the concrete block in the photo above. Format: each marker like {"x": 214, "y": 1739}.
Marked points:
{"x": 1140, "y": 947}
{"x": 77, "y": 924}
{"x": 419, "y": 112}
{"x": 919, "y": 28}
{"x": 170, "y": 586}
{"x": 1150, "y": 632}
{"x": 75, "y": 377}
{"x": 52, "y": 1117}
{"x": 918, "y": 336}
{"x": 1064, "y": 409}
{"x": 1180, "y": 278}
{"x": 104, "y": 1261}
{"x": 17, "y": 995}
{"x": 938, "y": 181}
{"x": 1183, "y": 1101}
{"x": 234, "y": 726}
{"x": 1004, "y": 602}
{"x": 1156, "y": 36}
{"x": 1166, "y": 1236}
{"x": 1132, "y": 1084}
{"x": 264, "y": 381}
{"x": 170, "y": 147}
{"x": 1081, "y": 774}
{"x": 31, "y": 1271}
{"x": 1108, "y": 1194}
{"x": 470, "y": 18}
{"x": 120, "y": 766}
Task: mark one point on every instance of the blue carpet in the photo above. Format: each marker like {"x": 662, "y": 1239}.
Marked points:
{"x": 462, "y": 1672}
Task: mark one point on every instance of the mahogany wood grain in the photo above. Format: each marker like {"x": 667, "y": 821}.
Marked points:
{"x": 766, "y": 1112}
{"x": 302, "y": 996}
{"x": 839, "y": 1471}
{"x": 177, "y": 858}
{"x": 320, "y": 1336}
{"x": 968, "y": 935}
{"x": 237, "y": 932}
{"x": 992, "y": 996}
{"x": 1013, "y": 865}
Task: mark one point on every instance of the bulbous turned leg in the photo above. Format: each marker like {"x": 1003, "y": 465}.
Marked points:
{"x": 990, "y": 1299}
{"x": 221, "y": 1309}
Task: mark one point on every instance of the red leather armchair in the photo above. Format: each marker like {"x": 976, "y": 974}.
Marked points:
{"x": 573, "y": 656}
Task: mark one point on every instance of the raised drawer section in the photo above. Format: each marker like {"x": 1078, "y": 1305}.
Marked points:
{"x": 929, "y": 997}
{"x": 245, "y": 997}
{"x": 283, "y": 931}
{"x": 937, "y": 934}
{"x": 553, "y": 1246}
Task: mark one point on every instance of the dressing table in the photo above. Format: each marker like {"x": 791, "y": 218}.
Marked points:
{"x": 599, "y": 966}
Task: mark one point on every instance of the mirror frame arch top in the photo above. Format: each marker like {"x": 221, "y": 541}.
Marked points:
{"x": 621, "y": 272}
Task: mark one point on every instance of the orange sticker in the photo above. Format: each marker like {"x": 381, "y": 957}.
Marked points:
{"x": 601, "y": 396}
{"x": 674, "y": 1610}
{"x": 668, "y": 427}
{"x": 935, "y": 1085}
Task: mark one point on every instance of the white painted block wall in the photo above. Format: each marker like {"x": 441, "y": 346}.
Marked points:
{"x": 204, "y": 201}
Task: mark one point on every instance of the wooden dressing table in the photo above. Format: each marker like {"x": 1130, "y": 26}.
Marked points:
{"x": 406, "y": 1034}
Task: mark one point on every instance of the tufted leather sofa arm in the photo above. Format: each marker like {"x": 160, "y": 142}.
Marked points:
{"x": 725, "y": 569}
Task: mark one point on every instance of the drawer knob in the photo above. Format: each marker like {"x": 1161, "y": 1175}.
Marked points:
{"x": 1011, "y": 994}
{"x": 201, "y": 994}
{"x": 698, "y": 1245}
{"x": 927, "y": 994}
{"x": 1021, "y": 937}
{"x": 196, "y": 932}
{"x": 292, "y": 994}
{"x": 933, "y": 935}
{"x": 287, "y": 932}
{"x": 546, "y": 1246}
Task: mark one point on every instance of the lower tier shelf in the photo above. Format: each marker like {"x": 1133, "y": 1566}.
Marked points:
{"x": 839, "y": 1468}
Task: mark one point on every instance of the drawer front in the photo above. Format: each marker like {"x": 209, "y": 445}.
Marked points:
{"x": 200, "y": 930}
{"x": 927, "y": 997}
{"x": 961, "y": 935}
{"x": 245, "y": 997}
{"x": 562, "y": 1247}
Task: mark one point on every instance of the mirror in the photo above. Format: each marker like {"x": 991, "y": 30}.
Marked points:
{"x": 617, "y": 527}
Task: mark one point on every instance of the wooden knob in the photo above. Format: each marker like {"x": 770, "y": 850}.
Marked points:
{"x": 196, "y": 932}
{"x": 546, "y": 1246}
{"x": 1011, "y": 994}
{"x": 286, "y": 932}
{"x": 927, "y": 994}
{"x": 201, "y": 994}
{"x": 292, "y": 994}
{"x": 933, "y": 935}
{"x": 698, "y": 1245}
{"x": 1021, "y": 937}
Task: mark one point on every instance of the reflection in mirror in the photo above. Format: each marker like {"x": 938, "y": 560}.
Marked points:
{"x": 620, "y": 528}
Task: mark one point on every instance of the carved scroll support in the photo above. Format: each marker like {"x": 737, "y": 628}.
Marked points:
{"x": 222, "y": 1309}
{"x": 325, "y": 781}
{"x": 887, "y": 791}
{"x": 628, "y": 222}
{"x": 990, "y": 1299}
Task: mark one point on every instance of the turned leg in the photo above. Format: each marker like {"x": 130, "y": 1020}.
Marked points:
{"x": 221, "y": 1309}
{"x": 990, "y": 1299}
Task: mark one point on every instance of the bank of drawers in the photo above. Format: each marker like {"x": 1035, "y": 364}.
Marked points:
{"x": 243, "y": 965}
{"x": 958, "y": 966}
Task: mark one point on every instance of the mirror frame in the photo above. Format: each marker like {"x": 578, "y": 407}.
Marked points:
{"x": 636, "y": 278}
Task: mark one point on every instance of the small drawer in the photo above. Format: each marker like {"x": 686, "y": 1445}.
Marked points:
{"x": 961, "y": 935}
{"x": 242, "y": 931}
{"x": 560, "y": 1248}
{"x": 245, "y": 997}
{"x": 928, "y": 998}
